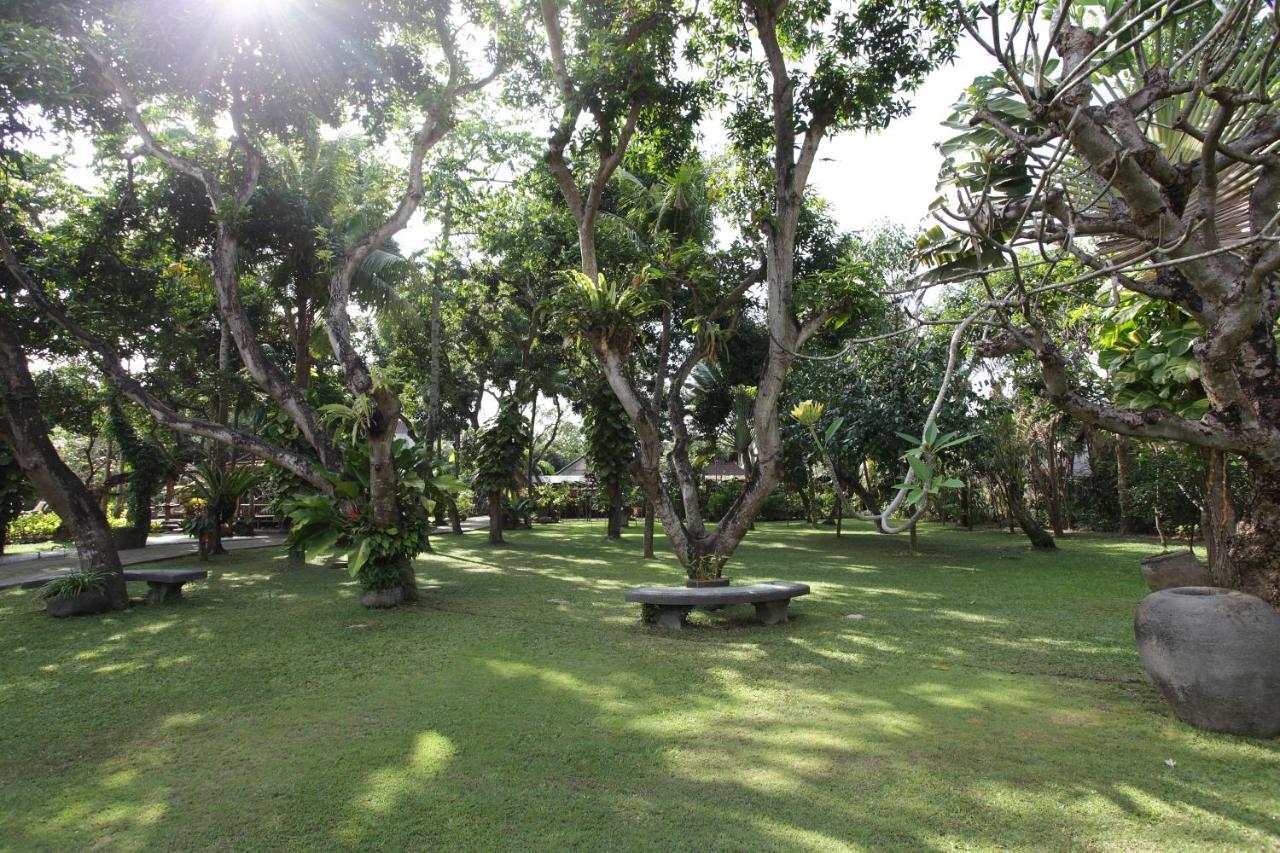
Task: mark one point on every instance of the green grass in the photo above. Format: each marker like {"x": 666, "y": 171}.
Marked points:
{"x": 990, "y": 698}
{"x": 34, "y": 547}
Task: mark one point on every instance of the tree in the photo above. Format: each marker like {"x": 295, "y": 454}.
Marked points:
{"x": 148, "y": 469}
{"x": 857, "y": 77}
{"x": 1138, "y": 141}
{"x": 501, "y": 448}
{"x": 268, "y": 82}
{"x": 22, "y": 428}
{"x": 610, "y": 449}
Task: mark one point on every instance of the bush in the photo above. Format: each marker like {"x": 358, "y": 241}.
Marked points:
{"x": 34, "y": 527}
{"x": 722, "y": 496}
{"x": 779, "y": 506}
{"x": 782, "y": 506}
{"x": 75, "y": 583}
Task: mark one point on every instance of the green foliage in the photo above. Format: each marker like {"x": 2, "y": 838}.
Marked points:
{"x": 320, "y": 523}
{"x": 15, "y": 489}
{"x": 720, "y": 498}
{"x": 1146, "y": 347}
{"x": 922, "y": 461}
{"x": 603, "y": 313}
{"x": 75, "y": 583}
{"x": 220, "y": 487}
{"x": 501, "y": 447}
{"x": 553, "y": 498}
{"x": 147, "y": 462}
{"x": 610, "y": 438}
{"x": 34, "y": 527}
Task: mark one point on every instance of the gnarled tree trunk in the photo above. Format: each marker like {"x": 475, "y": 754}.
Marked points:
{"x": 1013, "y": 495}
{"x": 24, "y": 429}
{"x": 1254, "y": 550}
{"x": 1218, "y": 520}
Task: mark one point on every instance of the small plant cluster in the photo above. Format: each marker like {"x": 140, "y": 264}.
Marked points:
{"x": 320, "y": 523}
{"x": 76, "y": 583}
{"x": 706, "y": 567}
{"x": 604, "y": 312}
{"x": 34, "y": 527}
{"x": 378, "y": 552}
{"x": 553, "y": 498}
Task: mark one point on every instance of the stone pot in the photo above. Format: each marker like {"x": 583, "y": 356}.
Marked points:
{"x": 1215, "y": 654}
{"x": 1173, "y": 569}
{"x": 90, "y": 601}
{"x": 697, "y": 583}
{"x": 382, "y": 598}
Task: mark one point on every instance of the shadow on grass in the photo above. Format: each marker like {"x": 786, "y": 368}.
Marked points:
{"x": 269, "y": 710}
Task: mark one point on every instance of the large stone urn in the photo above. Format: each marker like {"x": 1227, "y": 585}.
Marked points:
{"x": 1215, "y": 654}
{"x": 1173, "y": 569}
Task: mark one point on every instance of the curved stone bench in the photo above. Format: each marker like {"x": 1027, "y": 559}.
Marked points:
{"x": 674, "y": 602}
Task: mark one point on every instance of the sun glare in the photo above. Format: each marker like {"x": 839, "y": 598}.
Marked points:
{"x": 253, "y": 8}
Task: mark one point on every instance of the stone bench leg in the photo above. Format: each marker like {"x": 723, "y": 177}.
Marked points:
{"x": 772, "y": 612}
{"x": 159, "y": 592}
{"x": 672, "y": 616}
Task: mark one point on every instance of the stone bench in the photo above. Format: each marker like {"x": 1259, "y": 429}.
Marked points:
{"x": 164, "y": 584}
{"x": 673, "y": 603}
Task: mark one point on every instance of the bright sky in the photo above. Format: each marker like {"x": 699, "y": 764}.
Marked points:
{"x": 888, "y": 175}
{"x": 891, "y": 174}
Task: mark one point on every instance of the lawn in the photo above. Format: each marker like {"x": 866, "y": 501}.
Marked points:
{"x": 989, "y": 697}
{"x": 37, "y": 547}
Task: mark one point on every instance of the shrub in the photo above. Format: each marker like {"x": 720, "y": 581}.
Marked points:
{"x": 722, "y": 496}
{"x": 74, "y": 584}
{"x": 782, "y": 506}
{"x": 34, "y": 527}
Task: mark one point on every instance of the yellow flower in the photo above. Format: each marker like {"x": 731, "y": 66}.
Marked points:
{"x": 807, "y": 413}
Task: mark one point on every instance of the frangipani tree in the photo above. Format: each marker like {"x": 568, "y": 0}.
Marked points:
{"x": 1140, "y": 141}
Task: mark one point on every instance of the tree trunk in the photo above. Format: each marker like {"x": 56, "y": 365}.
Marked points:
{"x": 302, "y": 340}
{"x": 966, "y": 506}
{"x": 384, "y": 499}
{"x": 1122, "y": 485}
{"x": 1219, "y": 517}
{"x": 1254, "y": 550}
{"x": 213, "y": 520}
{"x": 807, "y": 500}
{"x": 495, "y": 518}
{"x": 1053, "y": 478}
{"x": 648, "y": 529}
{"x": 455, "y": 520}
{"x": 23, "y": 428}
{"x": 615, "y": 513}
{"x": 1039, "y": 537}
